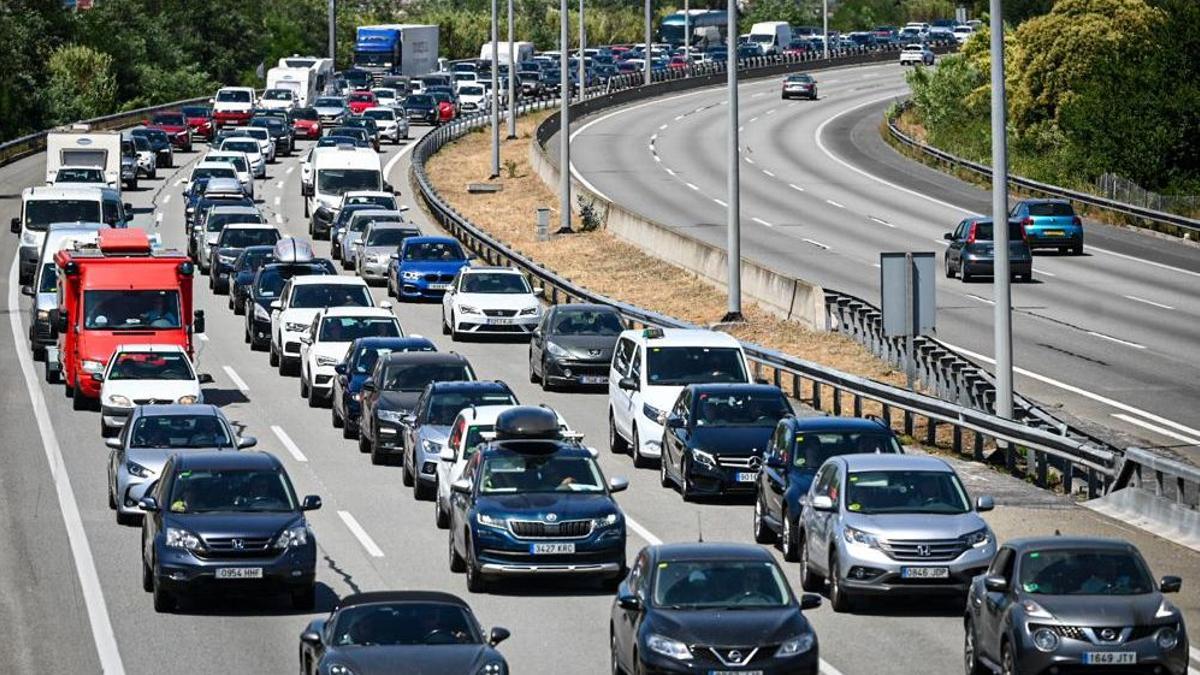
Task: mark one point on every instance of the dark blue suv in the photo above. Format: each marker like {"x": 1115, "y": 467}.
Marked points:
{"x": 227, "y": 521}
{"x": 424, "y": 267}
{"x": 356, "y": 367}
{"x": 531, "y": 504}
{"x": 798, "y": 447}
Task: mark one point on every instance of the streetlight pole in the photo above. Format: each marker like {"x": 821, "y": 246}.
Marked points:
{"x": 825, "y": 26}
{"x": 687, "y": 34}
{"x": 1001, "y": 292}
{"x": 495, "y": 92}
{"x": 564, "y": 121}
{"x": 733, "y": 310}
{"x": 582, "y": 44}
{"x": 647, "y": 52}
{"x": 332, "y": 10}
{"x": 512, "y": 77}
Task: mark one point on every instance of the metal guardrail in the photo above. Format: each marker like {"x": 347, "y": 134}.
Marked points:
{"x": 1031, "y": 451}
{"x": 1182, "y": 224}
{"x": 1167, "y": 478}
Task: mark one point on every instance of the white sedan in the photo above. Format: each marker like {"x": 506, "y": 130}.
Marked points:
{"x": 250, "y": 148}
{"x": 916, "y": 55}
{"x": 490, "y": 301}
{"x": 392, "y": 126}
{"x": 140, "y": 374}
{"x": 328, "y": 338}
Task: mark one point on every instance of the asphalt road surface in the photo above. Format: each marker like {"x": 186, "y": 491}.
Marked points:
{"x": 62, "y": 554}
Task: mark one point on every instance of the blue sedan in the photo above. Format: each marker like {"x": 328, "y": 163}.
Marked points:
{"x": 424, "y": 267}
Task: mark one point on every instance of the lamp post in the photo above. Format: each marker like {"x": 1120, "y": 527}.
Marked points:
{"x": 1001, "y": 291}
{"x": 825, "y": 26}
{"x": 564, "y": 123}
{"x": 495, "y": 93}
{"x": 733, "y": 311}
{"x": 582, "y": 44}
{"x": 647, "y": 52}
{"x": 332, "y": 12}
{"x": 512, "y": 77}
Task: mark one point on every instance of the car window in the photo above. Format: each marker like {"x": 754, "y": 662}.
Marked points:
{"x": 499, "y": 283}
{"x": 812, "y": 448}
{"x": 635, "y": 366}
{"x": 150, "y": 366}
{"x": 1051, "y": 209}
{"x": 178, "y": 431}
{"x": 747, "y": 409}
{"x": 1002, "y": 564}
{"x": 333, "y": 295}
{"x": 236, "y": 490}
{"x": 680, "y": 366}
{"x": 905, "y": 491}
{"x": 586, "y": 322}
{"x": 404, "y": 624}
{"x": 350, "y": 328}
{"x": 1084, "y": 572}
{"x": 434, "y": 251}
{"x": 720, "y": 584}
{"x": 445, "y": 405}
{"x": 532, "y": 473}
{"x": 414, "y": 376}
{"x": 621, "y": 356}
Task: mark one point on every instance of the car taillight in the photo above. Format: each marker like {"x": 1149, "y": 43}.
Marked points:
{"x": 1077, "y": 221}
{"x": 971, "y": 234}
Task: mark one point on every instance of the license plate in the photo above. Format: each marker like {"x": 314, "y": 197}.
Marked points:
{"x": 239, "y": 573}
{"x": 501, "y": 322}
{"x": 551, "y": 549}
{"x": 1053, "y": 233}
{"x": 593, "y": 379}
{"x": 735, "y": 672}
{"x": 1110, "y": 658}
{"x": 746, "y": 477}
{"x": 925, "y": 572}
{"x": 438, "y": 287}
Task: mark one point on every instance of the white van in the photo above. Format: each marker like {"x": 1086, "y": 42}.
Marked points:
{"x": 338, "y": 169}
{"x": 78, "y": 145}
{"x": 649, "y": 369}
{"x": 321, "y": 69}
{"x": 772, "y": 37}
{"x": 44, "y": 289}
{"x": 41, "y": 206}
{"x": 523, "y": 51}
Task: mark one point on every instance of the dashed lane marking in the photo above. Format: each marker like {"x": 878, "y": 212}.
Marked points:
{"x": 288, "y": 443}
{"x": 236, "y": 379}
{"x": 762, "y": 222}
{"x": 1149, "y": 302}
{"x": 361, "y": 535}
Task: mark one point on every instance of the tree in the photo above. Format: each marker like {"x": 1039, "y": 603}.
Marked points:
{"x": 29, "y": 31}
{"x": 81, "y": 84}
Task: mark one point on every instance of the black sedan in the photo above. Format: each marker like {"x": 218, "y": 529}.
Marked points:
{"x": 280, "y": 130}
{"x": 425, "y": 631}
{"x": 421, "y": 109}
{"x": 242, "y": 272}
{"x": 715, "y": 437}
{"x": 705, "y": 608}
{"x": 573, "y": 345}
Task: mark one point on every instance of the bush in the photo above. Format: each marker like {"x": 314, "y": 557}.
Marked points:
{"x": 81, "y": 85}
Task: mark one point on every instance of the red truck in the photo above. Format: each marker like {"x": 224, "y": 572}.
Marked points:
{"x": 116, "y": 292}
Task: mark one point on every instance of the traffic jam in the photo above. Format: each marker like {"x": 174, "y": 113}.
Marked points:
{"x": 844, "y": 515}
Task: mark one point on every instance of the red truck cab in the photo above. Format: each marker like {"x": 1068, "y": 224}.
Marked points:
{"x": 115, "y": 292}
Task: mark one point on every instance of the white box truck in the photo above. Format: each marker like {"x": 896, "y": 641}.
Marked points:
{"x": 79, "y": 145}
{"x": 523, "y": 51}
{"x": 772, "y": 37}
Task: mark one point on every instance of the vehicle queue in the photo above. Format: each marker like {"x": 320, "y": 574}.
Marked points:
{"x": 519, "y": 493}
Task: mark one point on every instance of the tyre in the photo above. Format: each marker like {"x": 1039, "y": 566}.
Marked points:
{"x": 377, "y": 458}
{"x": 78, "y": 401}
{"x": 475, "y": 581}
{"x": 809, "y": 580}
{"x": 440, "y": 517}
{"x": 839, "y": 600}
{"x": 455, "y": 336}
{"x": 533, "y": 376}
{"x": 147, "y": 577}
{"x": 304, "y": 599}
{"x": 971, "y": 664}
{"x": 423, "y": 491}
{"x": 406, "y": 475}
{"x": 1077, "y": 249}
{"x": 966, "y": 276}
{"x": 305, "y": 392}
{"x": 364, "y": 443}
{"x": 616, "y": 444}
{"x": 1008, "y": 665}
{"x": 445, "y": 326}
{"x": 335, "y": 418}
{"x": 763, "y": 534}
{"x": 164, "y": 601}
{"x": 686, "y": 492}
{"x": 640, "y": 461}
{"x": 789, "y": 540}
{"x": 314, "y": 399}
{"x": 127, "y": 519}
{"x": 664, "y": 479}
{"x": 273, "y": 358}
{"x": 457, "y": 564}
{"x": 949, "y": 270}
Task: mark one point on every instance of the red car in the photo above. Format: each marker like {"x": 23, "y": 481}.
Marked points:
{"x": 175, "y": 126}
{"x": 361, "y": 100}
{"x": 306, "y": 123}
{"x": 200, "y": 121}
{"x": 678, "y": 63}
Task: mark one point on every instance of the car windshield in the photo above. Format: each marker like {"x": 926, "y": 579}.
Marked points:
{"x": 314, "y": 296}
{"x": 241, "y": 238}
{"x": 362, "y": 98}
{"x": 360, "y": 224}
{"x": 196, "y": 112}
{"x": 365, "y": 361}
{"x": 1084, "y": 572}
{"x": 141, "y": 143}
{"x": 380, "y": 115}
{"x": 80, "y": 175}
{"x": 217, "y": 221}
{"x": 130, "y": 309}
{"x": 419, "y": 101}
{"x": 257, "y": 131}
{"x": 434, "y": 252}
{"x": 525, "y": 473}
{"x": 239, "y": 491}
{"x": 135, "y": 365}
{"x": 271, "y": 281}
{"x": 338, "y": 181}
{"x": 390, "y": 236}
{"x": 238, "y": 161}
{"x": 445, "y": 406}
{"x": 404, "y": 623}
{"x": 377, "y": 200}
{"x": 470, "y": 91}
{"x": 494, "y": 283}
{"x": 719, "y": 584}
{"x": 350, "y": 328}
{"x": 814, "y": 447}
{"x": 214, "y": 172}
{"x": 277, "y": 95}
{"x": 414, "y": 376}
{"x": 179, "y": 431}
{"x": 39, "y": 213}
{"x": 248, "y": 146}
{"x": 586, "y": 322}
{"x": 233, "y": 96}
{"x": 681, "y": 366}
{"x": 1051, "y": 209}
{"x": 304, "y": 114}
{"x": 932, "y": 492}
{"x": 169, "y": 119}
{"x": 742, "y": 409}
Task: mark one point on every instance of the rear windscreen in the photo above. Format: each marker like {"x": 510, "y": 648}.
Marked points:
{"x": 1051, "y": 209}
{"x": 984, "y": 231}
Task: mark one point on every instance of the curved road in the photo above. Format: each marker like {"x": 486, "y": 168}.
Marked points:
{"x": 51, "y": 603}
{"x": 1110, "y": 336}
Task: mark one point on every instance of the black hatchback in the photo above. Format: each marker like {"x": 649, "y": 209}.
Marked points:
{"x": 972, "y": 252}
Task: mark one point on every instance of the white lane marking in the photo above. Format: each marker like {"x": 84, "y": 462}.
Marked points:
{"x": 653, "y": 137}
{"x": 1083, "y": 392}
{"x": 1156, "y": 429}
{"x": 278, "y": 218}
{"x": 753, "y": 120}
{"x": 761, "y": 93}
{"x": 657, "y": 158}
{"x": 360, "y": 534}
{"x": 277, "y": 201}
{"x": 1195, "y": 653}
{"x": 795, "y": 187}
{"x": 290, "y": 169}
{"x": 1049, "y": 274}
{"x": 881, "y": 221}
{"x": 288, "y": 443}
{"x": 678, "y": 117}
{"x": 749, "y": 160}
{"x": 980, "y": 298}
{"x": 692, "y": 185}
{"x": 387, "y": 168}
{"x": 669, "y": 170}
{"x": 663, "y": 127}
{"x": 279, "y": 185}
{"x": 816, "y": 243}
{"x": 771, "y": 111}
{"x": 1149, "y": 302}
{"x": 167, "y": 199}
{"x": 943, "y": 242}
{"x": 1119, "y": 341}
{"x": 768, "y": 173}
{"x": 236, "y": 379}
{"x": 833, "y": 203}
{"x": 741, "y": 128}
{"x": 1164, "y": 266}
{"x": 204, "y": 337}
{"x": 723, "y": 204}
{"x": 760, "y": 221}
{"x": 81, "y": 551}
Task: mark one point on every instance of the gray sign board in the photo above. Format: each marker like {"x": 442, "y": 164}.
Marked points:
{"x": 907, "y": 280}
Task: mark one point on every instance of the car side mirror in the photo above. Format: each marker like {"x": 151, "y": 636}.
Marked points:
{"x": 949, "y": 236}
{"x": 821, "y": 503}
{"x": 311, "y": 503}
{"x": 304, "y": 339}
{"x": 128, "y": 207}
{"x": 198, "y": 321}
{"x": 1170, "y": 584}
{"x": 275, "y": 304}
{"x": 148, "y": 504}
{"x": 810, "y": 601}
{"x": 311, "y": 637}
{"x": 628, "y": 384}
{"x": 385, "y": 305}
{"x": 498, "y": 635}
{"x": 985, "y": 503}
{"x": 461, "y": 486}
{"x": 114, "y": 443}
{"x": 244, "y": 442}
{"x": 995, "y": 583}
{"x": 387, "y": 187}
{"x": 16, "y": 226}
{"x": 370, "y": 385}
{"x": 775, "y": 462}
{"x": 675, "y": 422}
{"x": 617, "y": 484}
{"x": 629, "y": 601}
{"x": 340, "y": 369}
{"x": 27, "y": 291}
{"x": 58, "y": 320}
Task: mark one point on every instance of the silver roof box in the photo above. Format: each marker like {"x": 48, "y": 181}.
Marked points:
{"x": 293, "y": 250}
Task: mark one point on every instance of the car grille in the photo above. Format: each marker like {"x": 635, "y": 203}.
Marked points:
{"x": 923, "y": 551}
{"x": 228, "y": 547}
{"x": 1096, "y": 635}
{"x": 153, "y": 401}
{"x": 536, "y": 529}
{"x": 751, "y": 462}
{"x": 734, "y": 657}
{"x": 442, "y": 278}
{"x": 500, "y": 312}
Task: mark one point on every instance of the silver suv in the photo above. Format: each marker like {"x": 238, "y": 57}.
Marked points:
{"x": 889, "y": 524}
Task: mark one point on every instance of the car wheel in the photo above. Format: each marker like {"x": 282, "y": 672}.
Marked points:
{"x": 763, "y": 534}
{"x": 440, "y": 518}
{"x": 475, "y": 580}
{"x": 147, "y": 577}
{"x": 314, "y": 399}
{"x": 1077, "y": 249}
{"x": 966, "y": 276}
{"x": 154, "y": 173}
{"x": 788, "y": 539}
{"x": 406, "y": 475}
{"x": 613, "y": 661}
{"x": 616, "y": 444}
{"x": 335, "y": 418}
{"x": 377, "y": 457}
{"x": 304, "y": 599}
{"x": 364, "y": 443}
{"x": 664, "y": 478}
{"x": 533, "y": 376}
{"x": 838, "y": 598}
{"x": 685, "y": 481}
{"x": 1008, "y": 664}
{"x": 640, "y": 461}
{"x": 455, "y": 336}
{"x": 163, "y": 600}
{"x": 809, "y": 580}
{"x": 127, "y": 519}
{"x": 273, "y": 358}
{"x": 305, "y": 392}
{"x": 423, "y": 491}
{"x": 78, "y": 400}
{"x": 971, "y": 665}
{"x": 457, "y": 564}
{"x": 445, "y": 326}
{"x": 949, "y": 269}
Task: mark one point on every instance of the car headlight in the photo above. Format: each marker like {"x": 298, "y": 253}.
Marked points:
{"x": 529, "y": 311}
{"x": 607, "y": 521}
{"x": 557, "y": 351}
{"x": 91, "y": 366}
{"x": 138, "y": 470}
{"x": 177, "y": 538}
{"x": 653, "y": 413}
{"x": 467, "y": 309}
{"x": 294, "y": 327}
{"x": 188, "y": 399}
{"x": 43, "y": 315}
{"x": 489, "y": 521}
{"x": 393, "y": 416}
{"x": 120, "y": 401}
{"x": 1045, "y": 640}
{"x": 797, "y": 645}
{"x": 978, "y": 538}
{"x": 493, "y": 668}
{"x": 261, "y": 313}
{"x": 1165, "y": 610}
{"x": 856, "y": 536}
{"x": 293, "y": 536}
{"x": 226, "y": 259}
{"x": 28, "y": 239}
{"x": 327, "y": 361}
{"x": 703, "y": 457}
{"x": 339, "y": 669}
{"x": 410, "y": 276}
{"x": 431, "y": 447}
{"x": 1167, "y": 639}
{"x": 667, "y": 647}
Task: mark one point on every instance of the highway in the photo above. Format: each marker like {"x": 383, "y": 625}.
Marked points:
{"x": 1110, "y": 337}
{"x": 70, "y": 583}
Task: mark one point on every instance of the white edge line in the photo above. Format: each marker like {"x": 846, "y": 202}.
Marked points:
{"x": 290, "y": 169}
{"x": 692, "y": 186}
{"x": 981, "y": 299}
{"x": 288, "y": 443}
{"x": 360, "y": 534}
{"x": 1049, "y": 274}
{"x": 277, "y": 200}
{"x": 768, "y": 173}
{"x": 1155, "y": 428}
{"x": 279, "y": 185}
{"x": 236, "y": 379}
{"x": 795, "y": 187}
{"x": 760, "y": 221}
{"x": 723, "y": 204}
{"x": 81, "y": 551}
{"x": 1149, "y": 302}
{"x": 387, "y": 168}
{"x": 1119, "y": 341}
{"x": 167, "y": 199}
{"x": 278, "y": 218}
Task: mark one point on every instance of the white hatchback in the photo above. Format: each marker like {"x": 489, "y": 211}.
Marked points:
{"x": 329, "y": 336}
{"x": 490, "y": 301}
{"x": 143, "y": 374}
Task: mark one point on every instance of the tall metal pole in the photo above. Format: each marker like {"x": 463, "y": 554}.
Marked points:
{"x": 733, "y": 219}
{"x": 332, "y": 9}
{"x": 647, "y": 53}
{"x": 582, "y": 44}
{"x": 825, "y": 26}
{"x": 1001, "y": 292}
{"x": 512, "y": 77}
{"x": 687, "y": 33}
{"x": 564, "y": 117}
{"x": 495, "y": 92}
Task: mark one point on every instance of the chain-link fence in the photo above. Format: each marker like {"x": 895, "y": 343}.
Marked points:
{"x": 1118, "y": 188}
